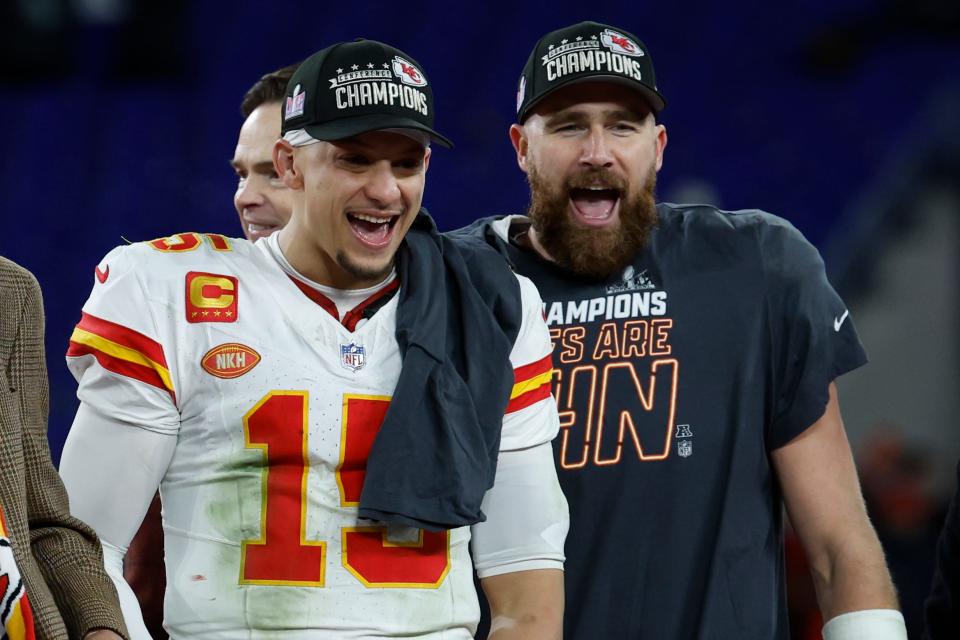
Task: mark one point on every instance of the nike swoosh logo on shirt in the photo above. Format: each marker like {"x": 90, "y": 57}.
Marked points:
{"x": 838, "y": 322}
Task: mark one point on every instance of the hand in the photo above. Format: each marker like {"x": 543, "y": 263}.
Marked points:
{"x": 102, "y": 634}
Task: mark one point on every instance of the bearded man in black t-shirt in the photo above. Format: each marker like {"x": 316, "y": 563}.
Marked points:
{"x": 695, "y": 352}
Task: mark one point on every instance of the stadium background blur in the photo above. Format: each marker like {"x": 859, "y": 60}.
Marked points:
{"x": 119, "y": 118}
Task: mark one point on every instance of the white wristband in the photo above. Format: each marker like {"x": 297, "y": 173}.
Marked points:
{"x": 869, "y": 624}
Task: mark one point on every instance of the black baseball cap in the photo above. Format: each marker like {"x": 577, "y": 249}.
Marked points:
{"x": 588, "y": 51}
{"x": 354, "y": 87}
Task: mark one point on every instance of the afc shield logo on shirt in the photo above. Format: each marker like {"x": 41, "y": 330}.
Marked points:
{"x": 211, "y": 297}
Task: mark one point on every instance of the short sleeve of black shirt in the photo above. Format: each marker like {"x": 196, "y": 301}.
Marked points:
{"x": 813, "y": 337}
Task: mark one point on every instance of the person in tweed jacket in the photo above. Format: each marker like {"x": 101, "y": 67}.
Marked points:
{"x": 52, "y": 582}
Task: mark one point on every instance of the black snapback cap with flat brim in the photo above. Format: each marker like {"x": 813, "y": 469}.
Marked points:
{"x": 586, "y": 52}
{"x": 355, "y": 87}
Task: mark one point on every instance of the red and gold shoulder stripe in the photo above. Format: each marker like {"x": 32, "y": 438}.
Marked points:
{"x": 122, "y": 351}
{"x": 531, "y": 384}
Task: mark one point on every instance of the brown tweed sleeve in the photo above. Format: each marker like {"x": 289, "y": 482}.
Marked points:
{"x": 66, "y": 550}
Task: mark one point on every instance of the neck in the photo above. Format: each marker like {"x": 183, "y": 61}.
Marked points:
{"x": 312, "y": 262}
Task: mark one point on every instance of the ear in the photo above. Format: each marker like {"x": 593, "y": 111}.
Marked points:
{"x": 284, "y": 165}
{"x": 518, "y": 138}
{"x": 426, "y": 158}
{"x": 661, "y": 144}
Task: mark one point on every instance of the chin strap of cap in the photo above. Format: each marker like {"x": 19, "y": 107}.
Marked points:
{"x": 869, "y": 624}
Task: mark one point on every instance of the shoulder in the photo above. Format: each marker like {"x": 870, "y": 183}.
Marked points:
{"x": 767, "y": 238}
{"x": 168, "y": 258}
{"x": 16, "y": 280}
{"x": 18, "y": 287}
{"x": 702, "y": 218}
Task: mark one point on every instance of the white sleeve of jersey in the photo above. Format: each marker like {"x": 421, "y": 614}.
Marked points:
{"x": 129, "y": 605}
{"x": 531, "y": 417}
{"x": 527, "y": 516}
{"x": 111, "y": 473}
{"x": 117, "y": 351}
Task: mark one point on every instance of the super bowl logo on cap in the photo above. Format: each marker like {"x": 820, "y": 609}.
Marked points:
{"x": 408, "y": 72}
{"x": 295, "y": 102}
{"x": 521, "y": 91}
{"x": 619, "y": 43}
{"x": 352, "y": 356}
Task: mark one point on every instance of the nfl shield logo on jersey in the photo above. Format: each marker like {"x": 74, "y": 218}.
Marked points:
{"x": 684, "y": 448}
{"x": 352, "y": 356}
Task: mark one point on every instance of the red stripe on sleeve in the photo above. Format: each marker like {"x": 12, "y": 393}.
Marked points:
{"x": 533, "y": 369}
{"x": 125, "y": 368}
{"x": 529, "y": 398}
{"x": 123, "y": 336}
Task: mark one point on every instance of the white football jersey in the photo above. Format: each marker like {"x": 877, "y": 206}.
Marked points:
{"x": 275, "y": 404}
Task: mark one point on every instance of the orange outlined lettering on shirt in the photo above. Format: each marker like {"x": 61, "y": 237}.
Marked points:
{"x": 583, "y": 392}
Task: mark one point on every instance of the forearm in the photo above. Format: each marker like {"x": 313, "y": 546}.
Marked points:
{"x": 525, "y": 605}
{"x": 854, "y": 577}
{"x": 544, "y": 626}
{"x": 129, "y": 605}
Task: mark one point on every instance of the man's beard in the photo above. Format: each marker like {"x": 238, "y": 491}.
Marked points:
{"x": 590, "y": 251}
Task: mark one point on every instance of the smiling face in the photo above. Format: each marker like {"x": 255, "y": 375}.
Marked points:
{"x": 262, "y": 201}
{"x": 591, "y": 152}
{"x": 359, "y": 197}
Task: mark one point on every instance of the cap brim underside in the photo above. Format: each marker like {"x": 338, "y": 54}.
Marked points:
{"x": 355, "y": 125}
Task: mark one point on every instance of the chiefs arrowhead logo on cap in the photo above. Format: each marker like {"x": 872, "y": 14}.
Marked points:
{"x": 408, "y": 72}
{"x": 230, "y": 360}
{"x": 619, "y": 43}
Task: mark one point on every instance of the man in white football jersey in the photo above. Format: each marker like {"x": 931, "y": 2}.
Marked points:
{"x": 250, "y": 381}
{"x": 264, "y": 205}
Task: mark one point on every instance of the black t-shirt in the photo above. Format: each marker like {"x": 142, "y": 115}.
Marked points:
{"x": 675, "y": 379}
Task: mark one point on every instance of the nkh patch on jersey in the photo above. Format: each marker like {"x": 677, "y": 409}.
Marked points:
{"x": 230, "y": 360}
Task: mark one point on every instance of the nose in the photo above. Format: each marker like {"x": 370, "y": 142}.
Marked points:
{"x": 249, "y": 194}
{"x": 596, "y": 151}
{"x": 382, "y": 187}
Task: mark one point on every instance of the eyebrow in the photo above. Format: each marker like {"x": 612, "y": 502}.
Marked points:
{"x": 258, "y": 167}
{"x": 572, "y": 114}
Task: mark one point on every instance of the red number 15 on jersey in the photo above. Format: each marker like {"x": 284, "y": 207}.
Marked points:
{"x": 282, "y": 555}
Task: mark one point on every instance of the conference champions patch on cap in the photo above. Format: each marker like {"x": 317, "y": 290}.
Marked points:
{"x": 583, "y": 52}
{"x": 356, "y": 87}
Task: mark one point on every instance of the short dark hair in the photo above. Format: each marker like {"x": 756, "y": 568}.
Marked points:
{"x": 269, "y": 88}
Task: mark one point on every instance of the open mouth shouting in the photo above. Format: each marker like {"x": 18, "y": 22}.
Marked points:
{"x": 374, "y": 229}
{"x": 594, "y": 206}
